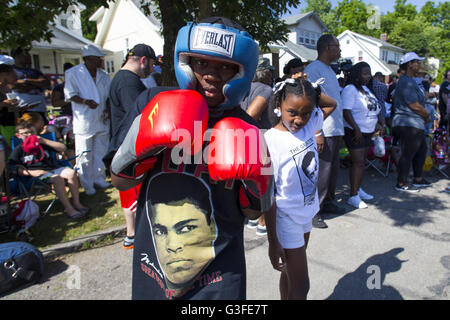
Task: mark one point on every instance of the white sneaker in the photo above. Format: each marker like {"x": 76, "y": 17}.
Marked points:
{"x": 363, "y": 195}
{"x": 356, "y": 202}
{"x": 261, "y": 230}
{"x": 252, "y": 224}
{"x": 89, "y": 192}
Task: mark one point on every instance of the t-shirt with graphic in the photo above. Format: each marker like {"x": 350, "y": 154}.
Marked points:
{"x": 189, "y": 229}
{"x": 34, "y": 162}
{"x": 295, "y": 164}
{"x": 364, "y": 107}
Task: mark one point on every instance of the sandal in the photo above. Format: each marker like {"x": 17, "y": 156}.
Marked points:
{"x": 77, "y": 215}
{"x": 85, "y": 210}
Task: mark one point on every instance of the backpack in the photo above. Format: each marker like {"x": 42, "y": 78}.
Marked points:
{"x": 20, "y": 263}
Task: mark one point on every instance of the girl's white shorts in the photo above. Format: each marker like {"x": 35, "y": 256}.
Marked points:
{"x": 291, "y": 235}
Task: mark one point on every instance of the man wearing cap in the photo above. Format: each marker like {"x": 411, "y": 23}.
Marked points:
{"x": 125, "y": 87}
{"x": 87, "y": 86}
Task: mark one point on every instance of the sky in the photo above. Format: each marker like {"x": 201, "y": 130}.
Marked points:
{"x": 384, "y": 5}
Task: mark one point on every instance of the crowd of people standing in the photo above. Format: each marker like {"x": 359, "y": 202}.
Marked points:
{"x": 186, "y": 228}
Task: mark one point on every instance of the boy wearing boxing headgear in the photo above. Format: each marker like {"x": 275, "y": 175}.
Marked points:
{"x": 204, "y": 156}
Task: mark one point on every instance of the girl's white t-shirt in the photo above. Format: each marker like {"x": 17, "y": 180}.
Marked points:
{"x": 364, "y": 107}
{"x": 295, "y": 164}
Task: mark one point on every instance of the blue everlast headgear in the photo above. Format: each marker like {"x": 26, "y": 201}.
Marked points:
{"x": 223, "y": 43}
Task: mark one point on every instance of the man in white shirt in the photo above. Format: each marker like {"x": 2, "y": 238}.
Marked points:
{"x": 87, "y": 86}
{"x": 333, "y": 127}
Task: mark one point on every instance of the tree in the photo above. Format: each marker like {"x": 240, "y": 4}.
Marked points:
{"x": 352, "y": 15}
{"x": 259, "y": 18}
{"x": 26, "y": 20}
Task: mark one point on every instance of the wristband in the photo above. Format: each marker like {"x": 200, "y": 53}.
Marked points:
{"x": 319, "y": 134}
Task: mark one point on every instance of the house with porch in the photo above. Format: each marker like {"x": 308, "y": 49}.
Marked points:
{"x": 378, "y": 53}
{"x": 304, "y": 31}
{"x": 64, "y": 46}
{"x": 123, "y": 25}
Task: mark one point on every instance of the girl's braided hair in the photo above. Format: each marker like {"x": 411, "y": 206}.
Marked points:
{"x": 299, "y": 87}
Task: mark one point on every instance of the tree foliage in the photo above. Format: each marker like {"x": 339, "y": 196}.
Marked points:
{"x": 23, "y": 21}
{"x": 426, "y": 31}
{"x": 259, "y": 17}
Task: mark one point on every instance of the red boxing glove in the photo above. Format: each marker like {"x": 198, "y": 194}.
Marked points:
{"x": 238, "y": 151}
{"x": 171, "y": 118}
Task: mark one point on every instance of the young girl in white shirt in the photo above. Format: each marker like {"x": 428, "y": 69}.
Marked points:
{"x": 293, "y": 151}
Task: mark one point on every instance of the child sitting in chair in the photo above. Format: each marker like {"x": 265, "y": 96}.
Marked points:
{"x": 33, "y": 159}
{"x": 440, "y": 148}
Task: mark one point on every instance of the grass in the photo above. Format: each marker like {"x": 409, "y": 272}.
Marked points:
{"x": 56, "y": 227}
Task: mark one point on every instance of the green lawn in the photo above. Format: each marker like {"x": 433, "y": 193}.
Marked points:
{"x": 56, "y": 227}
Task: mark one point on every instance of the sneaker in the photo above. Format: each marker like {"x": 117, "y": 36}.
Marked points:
{"x": 363, "y": 195}
{"x": 406, "y": 188}
{"x": 318, "y": 222}
{"x": 332, "y": 208}
{"x": 128, "y": 242}
{"x": 252, "y": 224}
{"x": 356, "y": 202}
{"x": 261, "y": 230}
{"x": 421, "y": 184}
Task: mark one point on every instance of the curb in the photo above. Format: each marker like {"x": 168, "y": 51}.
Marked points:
{"x": 80, "y": 243}
{"x": 251, "y": 241}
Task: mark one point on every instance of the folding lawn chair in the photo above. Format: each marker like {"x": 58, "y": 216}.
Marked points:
{"x": 25, "y": 187}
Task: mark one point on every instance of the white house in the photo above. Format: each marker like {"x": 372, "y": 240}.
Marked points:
{"x": 64, "y": 46}
{"x": 304, "y": 31}
{"x": 123, "y": 25}
{"x": 380, "y": 55}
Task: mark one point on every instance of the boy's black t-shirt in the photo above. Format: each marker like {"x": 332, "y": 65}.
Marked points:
{"x": 195, "y": 250}
{"x": 32, "y": 162}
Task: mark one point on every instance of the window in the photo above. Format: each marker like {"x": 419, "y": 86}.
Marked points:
{"x": 308, "y": 37}
{"x": 36, "y": 62}
{"x": 384, "y": 55}
{"x": 360, "y": 55}
{"x": 109, "y": 66}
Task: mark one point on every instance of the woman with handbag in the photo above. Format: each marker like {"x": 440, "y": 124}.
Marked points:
{"x": 361, "y": 115}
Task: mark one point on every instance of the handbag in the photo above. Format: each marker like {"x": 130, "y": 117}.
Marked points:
{"x": 379, "y": 148}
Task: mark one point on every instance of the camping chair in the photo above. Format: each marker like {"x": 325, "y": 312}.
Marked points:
{"x": 387, "y": 160}
{"x": 5, "y": 208}
{"x": 30, "y": 187}
{"x": 439, "y": 151}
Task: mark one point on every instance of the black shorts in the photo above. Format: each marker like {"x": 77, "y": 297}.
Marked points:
{"x": 348, "y": 139}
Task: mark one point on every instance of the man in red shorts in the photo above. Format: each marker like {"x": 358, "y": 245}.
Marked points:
{"x": 125, "y": 88}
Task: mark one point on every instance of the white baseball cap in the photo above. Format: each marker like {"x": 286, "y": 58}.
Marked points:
{"x": 4, "y": 59}
{"x": 91, "y": 50}
{"x": 410, "y": 56}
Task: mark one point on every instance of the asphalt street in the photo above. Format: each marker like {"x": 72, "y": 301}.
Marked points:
{"x": 398, "y": 248}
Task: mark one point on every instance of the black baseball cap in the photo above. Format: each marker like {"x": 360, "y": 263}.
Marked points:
{"x": 142, "y": 50}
